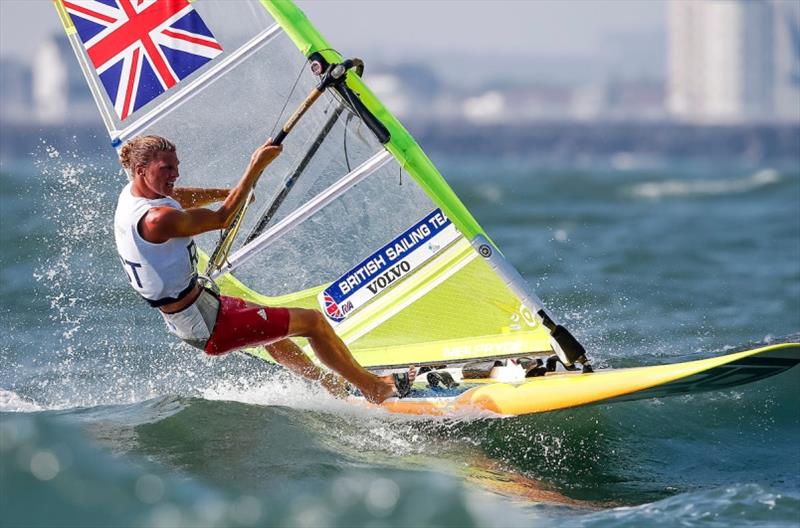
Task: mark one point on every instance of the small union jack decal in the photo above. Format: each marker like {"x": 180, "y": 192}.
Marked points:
{"x": 141, "y": 48}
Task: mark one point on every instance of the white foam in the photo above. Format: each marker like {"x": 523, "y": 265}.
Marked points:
{"x": 12, "y": 402}
{"x": 365, "y": 428}
{"x": 285, "y": 390}
{"x": 276, "y": 389}
{"x": 670, "y": 188}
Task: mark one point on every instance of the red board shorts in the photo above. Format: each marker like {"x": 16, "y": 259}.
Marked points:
{"x": 242, "y": 325}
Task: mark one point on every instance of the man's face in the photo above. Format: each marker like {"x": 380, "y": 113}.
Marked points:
{"x": 161, "y": 173}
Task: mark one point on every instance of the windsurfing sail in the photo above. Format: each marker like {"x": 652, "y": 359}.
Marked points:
{"x": 352, "y": 219}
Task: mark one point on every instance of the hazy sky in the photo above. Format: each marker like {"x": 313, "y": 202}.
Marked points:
{"x": 395, "y": 29}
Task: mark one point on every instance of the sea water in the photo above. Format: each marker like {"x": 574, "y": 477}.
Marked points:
{"x": 106, "y": 421}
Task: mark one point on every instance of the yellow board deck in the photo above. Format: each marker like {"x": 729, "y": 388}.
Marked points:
{"x": 572, "y": 389}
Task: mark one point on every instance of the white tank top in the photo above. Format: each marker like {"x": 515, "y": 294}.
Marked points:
{"x": 161, "y": 273}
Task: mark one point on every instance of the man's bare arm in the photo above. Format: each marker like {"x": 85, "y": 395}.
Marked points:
{"x": 162, "y": 223}
{"x": 190, "y": 197}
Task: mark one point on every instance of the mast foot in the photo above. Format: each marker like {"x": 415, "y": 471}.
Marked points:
{"x": 583, "y": 361}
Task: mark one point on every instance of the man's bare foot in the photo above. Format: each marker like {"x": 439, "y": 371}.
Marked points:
{"x": 384, "y": 387}
{"x": 412, "y": 375}
{"x": 388, "y": 389}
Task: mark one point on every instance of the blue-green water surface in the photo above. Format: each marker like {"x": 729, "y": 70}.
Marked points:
{"x": 106, "y": 421}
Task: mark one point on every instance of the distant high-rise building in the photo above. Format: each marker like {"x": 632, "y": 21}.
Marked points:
{"x": 59, "y": 88}
{"x": 787, "y": 61}
{"x": 49, "y": 83}
{"x": 731, "y": 60}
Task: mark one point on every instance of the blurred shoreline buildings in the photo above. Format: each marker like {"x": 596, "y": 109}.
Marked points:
{"x": 720, "y": 63}
{"x": 734, "y": 61}
{"x": 728, "y": 62}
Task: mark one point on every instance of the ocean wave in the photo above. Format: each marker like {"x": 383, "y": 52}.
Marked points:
{"x": 49, "y": 461}
{"x": 657, "y": 190}
{"x": 362, "y": 464}
{"x": 13, "y": 402}
{"x": 739, "y": 505}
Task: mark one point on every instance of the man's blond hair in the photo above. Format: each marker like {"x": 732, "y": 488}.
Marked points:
{"x": 141, "y": 151}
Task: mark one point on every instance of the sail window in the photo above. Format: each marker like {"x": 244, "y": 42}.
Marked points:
{"x": 311, "y": 207}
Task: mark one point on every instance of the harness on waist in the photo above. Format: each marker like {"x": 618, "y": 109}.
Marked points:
{"x": 167, "y": 300}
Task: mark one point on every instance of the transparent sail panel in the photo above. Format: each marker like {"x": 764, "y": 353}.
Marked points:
{"x": 216, "y": 131}
{"x": 338, "y": 237}
{"x": 398, "y": 281}
{"x": 328, "y": 143}
{"x": 139, "y": 57}
{"x": 342, "y": 146}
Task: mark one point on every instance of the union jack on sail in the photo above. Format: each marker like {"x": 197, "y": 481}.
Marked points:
{"x": 141, "y": 48}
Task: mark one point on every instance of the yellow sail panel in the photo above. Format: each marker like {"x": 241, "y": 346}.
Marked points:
{"x": 451, "y": 308}
{"x": 470, "y": 314}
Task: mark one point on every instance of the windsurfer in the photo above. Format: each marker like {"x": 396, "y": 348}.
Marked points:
{"x": 153, "y": 226}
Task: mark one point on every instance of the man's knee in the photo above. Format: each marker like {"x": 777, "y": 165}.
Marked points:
{"x": 312, "y": 322}
{"x": 318, "y": 322}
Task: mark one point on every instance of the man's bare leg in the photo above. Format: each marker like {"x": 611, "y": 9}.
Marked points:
{"x": 332, "y": 351}
{"x": 291, "y": 356}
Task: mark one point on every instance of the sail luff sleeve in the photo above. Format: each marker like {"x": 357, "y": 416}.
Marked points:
{"x": 77, "y": 48}
{"x": 401, "y": 144}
